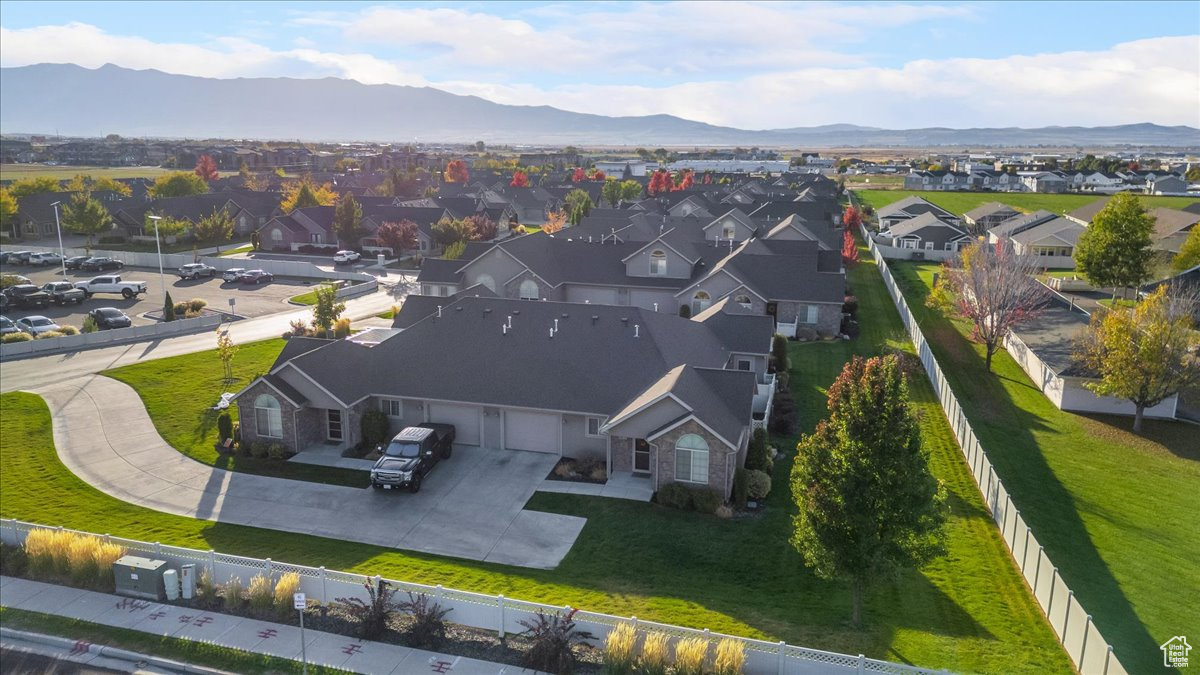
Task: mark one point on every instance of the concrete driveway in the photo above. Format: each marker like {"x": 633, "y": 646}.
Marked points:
{"x": 471, "y": 506}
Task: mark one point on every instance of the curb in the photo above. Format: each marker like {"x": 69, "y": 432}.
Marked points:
{"x": 77, "y": 648}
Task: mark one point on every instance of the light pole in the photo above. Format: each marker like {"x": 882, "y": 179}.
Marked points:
{"x": 158, "y": 244}
{"x": 61, "y": 251}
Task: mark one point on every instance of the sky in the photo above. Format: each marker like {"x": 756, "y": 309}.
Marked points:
{"x": 749, "y": 65}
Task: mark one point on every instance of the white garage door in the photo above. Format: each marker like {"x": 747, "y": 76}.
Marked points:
{"x": 596, "y": 296}
{"x": 464, "y": 418}
{"x": 538, "y": 432}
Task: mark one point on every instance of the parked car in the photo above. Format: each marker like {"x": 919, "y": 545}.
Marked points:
{"x": 101, "y": 264}
{"x": 18, "y": 257}
{"x": 44, "y": 259}
{"x": 233, "y": 274}
{"x": 345, "y": 257}
{"x": 256, "y": 277}
{"x": 411, "y": 455}
{"x": 76, "y": 261}
{"x": 196, "y": 270}
{"x": 36, "y": 325}
{"x": 62, "y": 292}
{"x": 110, "y": 317}
{"x": 27, "y": 296}
{"x": 7, "y": 326}
{"x": 111, "y": 284}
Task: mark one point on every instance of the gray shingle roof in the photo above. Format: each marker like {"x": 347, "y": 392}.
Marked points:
{"x": 1019, "y": 224}
{"x": 924, "y": 220}
{"x": 738, "y": 329}
{"x": 911, "y": 206}
{"x": 988, "y": 209}
{"x": 1064, "y": 228}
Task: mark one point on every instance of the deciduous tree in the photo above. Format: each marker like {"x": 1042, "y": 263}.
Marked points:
{"x": 482, "y": 227}
{"x": 555, "y": 222}
{"x": 226, "y": 350}
{"x": 347, "y": 222}
{"x": 1144, "y": 354}
{"x": 578, "y": 204}
{"x": 327, "y": 310}
{"x": 32, "y": 186}
{"x": 303, "y": 194}
{"x": 849, "y": 248}
{"x": 456, "y": 172}
{"x": 520, "y": 179}
{"x": 686, "y": 179}
{"x": 994, "y": 288}
{"x": 852, "y": 218}
{"x": 214, "y": 229}
{"x": 868, "y": 504}
{"x": 597, "y": 175}
{"x": 399, "y": 237}
{"x": 178, "y": 184}
{"x": 1115, "y": 249}
{"x": 8, "y": 207}
{"x": 447, "y": 231}
{"x": 206, "y": 168}
{"x": 660, "y": 181}
{"x": 630, "y": 190}
{"x": 1189, "y": 254}
{"x": 87, "y": 216}
{"x": 578, "y": 175}
{"x": 611, "y": 192}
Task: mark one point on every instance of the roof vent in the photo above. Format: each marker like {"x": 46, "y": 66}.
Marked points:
{"x": 487, "y": 310}
{"x": 595, "y": 318}
{"x": 556, "y": 325}
{"x": 635, "y": 330}
{"x": 504, "y": 329}
{"x": 552, "y": 332}
{"x": 516, "y": 311}
{"x": 625, "y": 320}
{"x": 564, "y": 315}
{"x": 509, "y": 324}
{"x": 656, "y": 306}
{"x": 439, "y": 311}
{"x": 458, "y": 309}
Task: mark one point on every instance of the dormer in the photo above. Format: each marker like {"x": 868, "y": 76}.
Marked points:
{"x": 658, "y": 260}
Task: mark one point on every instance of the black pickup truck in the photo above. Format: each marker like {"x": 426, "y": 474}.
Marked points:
{"x": 410, "y": 455}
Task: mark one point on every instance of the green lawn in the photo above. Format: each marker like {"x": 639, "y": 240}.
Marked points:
{"x": 961, "y": 202}
{"x": 1112, "y": 508}
{"x": 244, "y": 248}
{"x": 309, "y": 298}
{"x": 968, "y": 611}
{"x": 19, "y": 171}
{"x": 185, "y": 651}
{"x": 170, "y": 388}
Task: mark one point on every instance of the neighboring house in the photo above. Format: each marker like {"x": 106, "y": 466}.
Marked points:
{"x": 313, "y": 226}
{"x": 1084, "y": 214}
{"x": 649, "y": 394}
{"x": 927, "y": 232}
{"x": 986, "y": 216}
{"x": 1054, "y": 238}
{"x": 996, "y": 181}
{"x": 734, "y": 225}
{"x": 35, "y": 217}
{"x": 1045, "y": 350}
{"x": 532, "y": 205}
{"x": 249, "y": 211}
{"x": 1020, "y": 223}
{"x": 1171, "y": 227}
{"x": 910, "y": 207}
{"x": 1045, "y": 181}
{"x": 1167, "y": 185}
{"x": 937, "y": 180}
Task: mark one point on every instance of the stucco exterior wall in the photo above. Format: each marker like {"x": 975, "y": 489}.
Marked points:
{"x": 575, "y": 441}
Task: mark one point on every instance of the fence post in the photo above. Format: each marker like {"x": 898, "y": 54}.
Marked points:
{"x": 1083, "y": 648}
{"x": 500, "y": 604}
{"x": 1107, "y": 658}
{"x": 1037, "y": 573}
{"x": 439, "y": 594}
{"x": 157, "y": 550}
{"x": 779, "y": 660}
{"x": 862, "y": 664}
{"x": 1067, "y": 615}
{"x": 212, "y": 565}
{"x": 1025, "y": 551}
{"x": 324, "y": 596}
{"x": 1050, "y": 602}
{"x": 268, "y": 561}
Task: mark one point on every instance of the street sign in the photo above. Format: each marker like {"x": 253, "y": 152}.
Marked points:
{"x": 232, "y": 301}
{"x": 298, "y": 600}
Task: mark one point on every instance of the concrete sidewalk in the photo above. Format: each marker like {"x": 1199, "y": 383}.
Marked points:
{"x": 470, "y": 507}
{"x": 251, "y": 635}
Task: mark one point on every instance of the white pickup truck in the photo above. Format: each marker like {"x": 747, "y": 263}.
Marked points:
{"x": 111, "y": 284}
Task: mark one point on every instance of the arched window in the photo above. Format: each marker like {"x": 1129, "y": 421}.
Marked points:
{"x": 658, "y": 264}
{"x": 529, "y": 290}
{"x": 700, "y": 302}
{"x": 268, "y": 417}
{"x": 276, "y": 234}
{"x": 487, "y": 281}
{"x": 691, "y": 459}
{"x": 743, "y": 300}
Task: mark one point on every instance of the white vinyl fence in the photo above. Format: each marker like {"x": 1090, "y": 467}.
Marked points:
{"x": 104, "y": 338}
{"x": 487, "y": 612}
{"x": 1091, "y": 653}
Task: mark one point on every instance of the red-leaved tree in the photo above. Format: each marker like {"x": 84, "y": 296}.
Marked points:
{"x": 849, "y": 248}
{"x": 707, "y": 178}
{"x": 660, "y": 181}
{"x": 686, "y": 179}
{"x": 456, "y": 172}
{"x": 482, "y": 227}
{"x": 399, "y": 237}
{"x": 597, "y": 175}
{"x": 852, "y": 218}
{"x": 519, "y": 179}
{"x": 578, "y": 175}
{"x": 206, "y": 168}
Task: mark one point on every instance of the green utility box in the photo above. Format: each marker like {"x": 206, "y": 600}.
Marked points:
{"x": 140, "y": 577}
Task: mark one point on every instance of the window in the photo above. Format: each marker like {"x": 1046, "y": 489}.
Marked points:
{"x": 691, "y": 459}
{"x": 743, "y": 300}
{"x": 658, "y": 264}
{"x": 729, "y": 231}
{"x": 268, "y": 417}
{"x": 276, "y": 235}
{"x": 390, "y": 407}
{"x": 316, "y": 238}
{"x": 700, "y": 302}
{"x": 487, "y": 281}
{"x": 593, "y": 426}
{"x": 529, "y": 290}
{"x": 743, "y": 364}
{"x": 929, "y": 246}
{"x": 806, "y": 314}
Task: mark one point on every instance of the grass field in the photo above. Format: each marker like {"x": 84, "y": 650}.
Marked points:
{"x": 19, "y": 171}
{"x": 169, "y": 389}
{"x": 961, "y": 202}
{"x": 1103, "y": 501}
{"x": 873, "y": 182}
{"x": 186, "y": 651}
{"x": 309, "y": 298}
{"x": 968, "y": 611}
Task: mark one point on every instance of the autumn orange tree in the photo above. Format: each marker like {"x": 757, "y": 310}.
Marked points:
{"x": 660, "y": 181}
{"x": 482, "y": 227}
{"x": 555, "y": 222}
{"x": 206, "y": 168}
{"x": 456, "y": 172}
{"x": 303, "y": 194}
{"x": 520, "y": 179}
{"x": 849, "y": 248}
{"x": 597, "y": 175}
{"x": 852, "y": 218}
{"x": 686, "y": 180}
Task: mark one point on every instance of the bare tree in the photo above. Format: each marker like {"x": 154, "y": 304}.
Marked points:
{"x": 995, "y": 289}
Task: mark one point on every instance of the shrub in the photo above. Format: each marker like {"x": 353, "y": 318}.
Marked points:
{"x": 277, "y": 451}
{"x": 111, "y": 239}
{"x": 724, "y": 512}
{"x": 262, "y": 592}
{"x": 341, "y": 328}
{"x": 685, "y": 311}
{"x": 196, "y": 304}
{"x": 757, "y": 454}
{"x": 69, "y": 330}
{"x": 299, "y": 328}
{"x": 49, "y": 335}
{"x": 287, "y": 586}
{"x": 259, "y": 449}
{"x": 805, "y": 334}
{"x": 850, "y": 328}
{"x": 731, "y": 657}
{"x": 16, "y": 337}
{"x": 690, "y": 654}
{"x": 740, "y": 488}
{"x": 675, "y": 495}
{"x": 206, "y": 589}
{"x": 552, "y": 638}
{"x": 655, "y": 653}
{"x": 232, "y": 593}
{"x": 47, "y": 551}
{"x": 180, "y": 308}
{"x": 618, "y": 649}
{"x": 89, "y": 324}
{"x": 706, "y": 501}
{"x": 598, "y": 473}
{"x": 224, "y": 426}
{"x": 81, "y": 560}
{"x": 375, "y": 427}
{"x": 372, "y": 616}
{"x": 783, "y": 416}
{"x": 428, "y": 627}
{"x": 850, "y": 305}
{"x": 758, "y": 484}
{"x": 168, "y": 308}
{"x": 13, "y": 561}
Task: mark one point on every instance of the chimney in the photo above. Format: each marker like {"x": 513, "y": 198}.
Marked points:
{"x": 635, "y": 330}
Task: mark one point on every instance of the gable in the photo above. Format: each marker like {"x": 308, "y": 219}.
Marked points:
{"x": 497, "y": 263}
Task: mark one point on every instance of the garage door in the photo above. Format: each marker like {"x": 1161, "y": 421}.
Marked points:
{"x": 464, "y": 418}
{"x": 538, "y": 432}
{"x": 596, "y": 296}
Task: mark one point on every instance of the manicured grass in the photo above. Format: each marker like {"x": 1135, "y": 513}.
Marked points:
{"x": 390, "y": 314}
{"x": 309, "y": 298}
{"x": 19, "y": 171}
{"x": 1107, "y": 504}
{"x": 179, "y": 393}
{"x": 968, "y": 611}
{"x": 184, "y": 651}
{"x": 244, "y": 248}
{"x": 961, "y": 202}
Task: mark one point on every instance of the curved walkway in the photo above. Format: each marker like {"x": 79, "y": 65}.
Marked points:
{"x": 470, "y": 507}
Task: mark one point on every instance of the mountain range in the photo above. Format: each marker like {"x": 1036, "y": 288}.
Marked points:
{"x": 71, "y": 100}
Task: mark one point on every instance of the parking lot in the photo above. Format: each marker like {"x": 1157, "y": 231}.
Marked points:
{"x": 250, "y": 301}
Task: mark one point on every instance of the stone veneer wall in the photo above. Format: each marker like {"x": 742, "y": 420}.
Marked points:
{"x": 720, "y": 475}
{"x": 247, "y": 420}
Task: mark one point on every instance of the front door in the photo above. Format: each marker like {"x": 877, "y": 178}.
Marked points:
{"x": 641, "y": 456}
{"x": 334, "y": 425}
{"x": 772, "y": 308}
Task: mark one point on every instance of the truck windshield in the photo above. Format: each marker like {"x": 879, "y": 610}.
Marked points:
{"x": 403, "y": 449}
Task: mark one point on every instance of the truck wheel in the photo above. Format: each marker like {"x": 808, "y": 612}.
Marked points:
{"x": 449, "y": 450}
{"x": 415, "y": 486}
{"x": 87, "y": 294}
{"x": 126, "y": 293}
{"x": 58, "y": 301}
